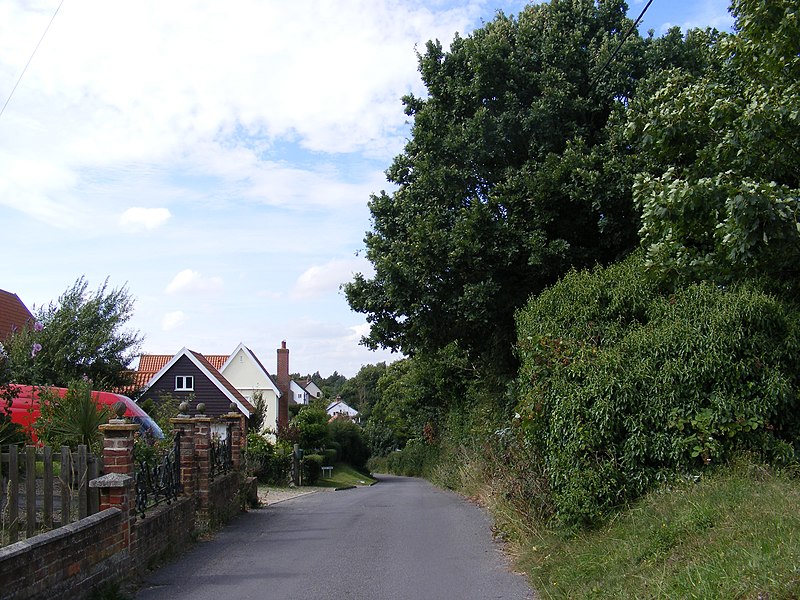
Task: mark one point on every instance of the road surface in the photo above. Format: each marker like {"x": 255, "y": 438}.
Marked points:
{"x": 399, "y": 539}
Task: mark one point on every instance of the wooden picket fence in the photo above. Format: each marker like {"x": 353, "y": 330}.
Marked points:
{"x": 41, "y": 490}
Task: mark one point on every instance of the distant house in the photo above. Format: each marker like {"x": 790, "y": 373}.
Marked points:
{"x": 241, "y": 370}
{"x": 299, "y": 394}
{"x": 311, "y": 387}
{"x": 340, "y": 409}
{"x": 14, "y": 314}
{"x": 190, "y": 376}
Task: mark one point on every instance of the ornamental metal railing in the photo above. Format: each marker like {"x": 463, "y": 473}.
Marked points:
{"x": 222, "y": 454}
{"x": 160, "y": 481}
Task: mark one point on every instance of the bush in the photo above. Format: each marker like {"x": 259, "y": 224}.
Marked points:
{"x": 329, "y": 456}
{"x": 264, "y": 463}
{"x": 621, "y": 385}
{"x": 416, "y": 459}
{"x": 379, "y": 437}
{"x": 312, "y": 425}
{"x": 350, "y": 439}
{"x": 312, "y": 468}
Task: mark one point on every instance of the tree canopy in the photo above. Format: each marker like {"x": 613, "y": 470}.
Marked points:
{"x": 512, "y": 175}
{"x": 719, "y": 197}
{"x": 82, "y": 335}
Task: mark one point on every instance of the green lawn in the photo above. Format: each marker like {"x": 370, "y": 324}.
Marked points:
{"x": 345, "y": 475}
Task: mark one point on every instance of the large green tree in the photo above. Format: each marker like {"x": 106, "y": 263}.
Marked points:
{"x": 361, "y": 391}
{"x": 82, "y": 335}
{"x": 719, "y": 195}
{"x": 511, "y": 176}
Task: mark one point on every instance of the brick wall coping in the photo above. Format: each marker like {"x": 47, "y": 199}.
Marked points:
{"x": 47, "y": 537}
{"x": 110, "y": 480}
{"x": 124, "y": 426}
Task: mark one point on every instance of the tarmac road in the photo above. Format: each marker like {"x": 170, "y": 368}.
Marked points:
{"x": 400, "y": 539}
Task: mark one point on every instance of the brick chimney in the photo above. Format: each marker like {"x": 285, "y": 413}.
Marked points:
{"x": 283, "y": 385}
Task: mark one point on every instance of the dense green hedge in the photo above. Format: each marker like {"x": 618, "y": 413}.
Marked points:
{"x": 349, "y": 440}
{"x": 621, "y": 385}
{"x": 264, "y": 463}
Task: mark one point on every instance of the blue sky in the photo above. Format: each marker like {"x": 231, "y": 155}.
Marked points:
{"x": 217, "y": 158}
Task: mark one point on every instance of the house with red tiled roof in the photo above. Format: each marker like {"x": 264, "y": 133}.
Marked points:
{"x": 13, "y": 314}
{"x": 189, "y": 376}
{"x": 241, "y": 369}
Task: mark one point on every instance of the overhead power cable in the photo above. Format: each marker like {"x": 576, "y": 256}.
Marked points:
{"x": 619, "y": 46}
{"x": 2, "y": 110}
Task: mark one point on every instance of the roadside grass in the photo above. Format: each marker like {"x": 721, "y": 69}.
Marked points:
{"x": 345, "y": 475}
{"x": 734, "y": 534}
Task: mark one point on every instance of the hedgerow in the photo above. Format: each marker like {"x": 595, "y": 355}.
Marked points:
{"x": 621, "y": 385}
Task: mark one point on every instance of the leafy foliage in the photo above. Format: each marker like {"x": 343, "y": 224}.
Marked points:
{"x": 622, "y": 385}
{"x": 350, "y": 439}
{"x": 360, "y": 391}
{"x": 10, "y": 433}
{"x": 72, "y": 420}
{"x": 256, "y": 421}
{"x": 83, "y": 335}
{"x": 517, "y": 170}
{"x": 719, "y": 198}
{"x": 312, "y": 427}
{"x": 263, "y": 462}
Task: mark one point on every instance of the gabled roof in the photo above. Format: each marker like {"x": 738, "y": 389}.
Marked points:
{"x": 13, "y": 314}
{"x": 205, "y": 366}
{"x": 150, "y": 364}
{"x": 339, "y": 406}
{"x": 258, "y": 363}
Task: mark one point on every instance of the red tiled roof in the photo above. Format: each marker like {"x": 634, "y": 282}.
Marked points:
{"x": 153, "y": 362}
{"x": 216, "y": 360}
{"x": 13, "y": 314}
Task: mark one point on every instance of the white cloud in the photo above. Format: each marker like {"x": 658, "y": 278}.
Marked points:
{"x": 192, "y": 282}
{"x": 325, "y": 279}
{"x": 138, "y": 218}
{"x": 172, "y": 320}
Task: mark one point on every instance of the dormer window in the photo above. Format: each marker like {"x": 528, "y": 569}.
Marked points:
{"x": 184, "y": 383}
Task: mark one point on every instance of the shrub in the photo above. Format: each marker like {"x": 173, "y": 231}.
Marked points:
{"x": 622, "y": 385}
{"x": 312, "y": 468}
{"x": 263, "y": 462}
{"x": 351, "y": 441}
{"x": 379, "y": 437}
{"x": 72, "y": 420}
{"x": 415, "y": 459}
{"x": 329, "y": 456}
{"x": 312, "y": 425}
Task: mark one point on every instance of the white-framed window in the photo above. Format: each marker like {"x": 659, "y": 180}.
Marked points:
{"x": 184, "y": 383}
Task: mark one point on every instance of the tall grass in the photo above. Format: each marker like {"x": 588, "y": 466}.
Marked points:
{"x": 733, "y": 534}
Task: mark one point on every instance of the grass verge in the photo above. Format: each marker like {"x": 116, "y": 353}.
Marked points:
{"x": 735, "y": 534}
{"x": 345, "y": 475}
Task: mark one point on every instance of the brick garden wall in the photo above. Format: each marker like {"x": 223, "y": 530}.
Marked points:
{"x": 67, "y": 562}
{"x": 165, "y": 532}
{"x": 113, "y": 545}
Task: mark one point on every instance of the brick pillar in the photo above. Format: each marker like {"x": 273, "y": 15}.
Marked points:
{"x": 117, "y": 486}
{"x": 118, "y": 446}
{"x": 119, "y": 491}
{"x": 236, "y": 421}
{"x": 202, "y": 456}
{"x": 185, "y": 425}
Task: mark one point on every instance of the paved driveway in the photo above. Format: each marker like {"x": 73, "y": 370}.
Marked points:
{"x": 400, "y": 539}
